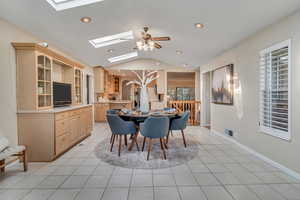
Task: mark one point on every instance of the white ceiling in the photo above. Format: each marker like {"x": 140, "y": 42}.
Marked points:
{"x": 226, "y": 23}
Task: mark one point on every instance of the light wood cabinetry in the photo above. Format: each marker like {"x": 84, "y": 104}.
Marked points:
{"x": 47, "y": 131}
{"x": 34, "y": 76}
{"x": 161, "y": 82}
{"x": 56, "y": 131}
{"x": 100, "y": 111}
{"x": 99, "y": 80}
{"x": 101, "y": 108}
{"x": 78, "y": 86}
{"x": 105, "y": 82}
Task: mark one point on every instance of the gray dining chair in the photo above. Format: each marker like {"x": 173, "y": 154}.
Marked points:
{"x": 120, "y": 128}
{"x": 155, "y": 128}
{"x": 179, "y": 124}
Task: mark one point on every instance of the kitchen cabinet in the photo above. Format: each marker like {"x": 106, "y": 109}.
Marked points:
{"x": 100, "y": 76}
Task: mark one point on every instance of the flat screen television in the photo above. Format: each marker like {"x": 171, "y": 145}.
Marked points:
{"x": 61, "y": 94}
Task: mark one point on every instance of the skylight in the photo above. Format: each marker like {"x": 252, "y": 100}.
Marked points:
{"x": 59, "y": 5}
{"x": 123, "y": 57}
{"x": 112, "y": 39}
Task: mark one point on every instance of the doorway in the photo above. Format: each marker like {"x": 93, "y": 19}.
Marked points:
{"x": 88, "y": 87}
{"x": 206, "y": 100}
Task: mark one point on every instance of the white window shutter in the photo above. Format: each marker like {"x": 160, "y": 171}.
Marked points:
{"x": 275, "y": 90}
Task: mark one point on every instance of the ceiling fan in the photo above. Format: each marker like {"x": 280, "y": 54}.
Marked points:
{"x": 147, "y": 42}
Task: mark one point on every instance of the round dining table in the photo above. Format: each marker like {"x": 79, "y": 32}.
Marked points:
{"x": 138, "y": 118}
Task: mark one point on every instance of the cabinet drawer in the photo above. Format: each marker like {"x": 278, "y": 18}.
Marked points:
{"x": 62, "y": 143}
{"x": 60, "y": 116}
{"x": 75, "y": 112}
{"x": 61, "y": 126}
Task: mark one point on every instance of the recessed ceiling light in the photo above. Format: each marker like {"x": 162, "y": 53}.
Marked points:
{"x": 110, "y": 50}
{"x": 86, "y": 19}
{"x": 179, "y": 52}
{"x": 112, "y": 39}
{"x": 123, "y": 57}
{"x": 199, "y": 25}
{"x": 59, "y": 5}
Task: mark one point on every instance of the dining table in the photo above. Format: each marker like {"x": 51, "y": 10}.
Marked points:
{"x": 139, "y": 117}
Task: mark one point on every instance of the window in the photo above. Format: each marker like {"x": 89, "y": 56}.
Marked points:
{"x": 181, "y": 94}
{"x": 275, "y": 90}
{"x": 185, "y": 94}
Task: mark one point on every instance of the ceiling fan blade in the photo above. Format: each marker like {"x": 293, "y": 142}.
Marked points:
{"x": 156, "y": 45}
{"x": 161, "y": 38}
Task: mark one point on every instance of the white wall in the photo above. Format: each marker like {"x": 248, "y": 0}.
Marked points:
{"x": 243, "y": 117}
{"x": 8, "y": 120}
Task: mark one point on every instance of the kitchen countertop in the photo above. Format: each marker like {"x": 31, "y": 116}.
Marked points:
{"x": 55, "y": 110}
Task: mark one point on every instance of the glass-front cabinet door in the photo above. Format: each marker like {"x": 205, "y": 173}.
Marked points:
{"x": 78, "y": 86}
{"x": 44, "y": 81}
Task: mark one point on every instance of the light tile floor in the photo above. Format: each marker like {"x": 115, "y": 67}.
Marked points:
{"x": 221, "y": 171}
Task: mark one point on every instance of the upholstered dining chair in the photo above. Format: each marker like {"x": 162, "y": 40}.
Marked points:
{"x": 179, "y": 124}
{"x": 155, "y": 128}
{"x": 120, "y": 128}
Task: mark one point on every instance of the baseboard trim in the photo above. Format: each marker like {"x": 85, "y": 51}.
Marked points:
{"x": 205, "y": 124}
{"x": 259, "y": 155}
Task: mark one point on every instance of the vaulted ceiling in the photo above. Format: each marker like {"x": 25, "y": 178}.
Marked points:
{"x": 225, "y": 24}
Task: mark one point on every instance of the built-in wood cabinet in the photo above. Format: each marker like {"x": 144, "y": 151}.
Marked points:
{"x": 99, "y": 80}
{"x": 56, "y": 132}
{"x": 78, "y": 86}
{"x": 35, "y": 76}
{"x": 101, "y": 108}
{"x": 44, "y": 81}
{"x": 105, "y": 82}
{"x": 46, "y": 131}
{"x": 100, "y": 111}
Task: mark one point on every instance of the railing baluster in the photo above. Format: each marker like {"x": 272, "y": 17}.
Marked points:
{"x": 182, "y": 106}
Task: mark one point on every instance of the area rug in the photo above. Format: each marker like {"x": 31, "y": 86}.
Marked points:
{"x": 176, "y": 153}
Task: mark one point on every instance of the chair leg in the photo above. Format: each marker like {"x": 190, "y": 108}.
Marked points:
{"x": 165, "y": 143}
{"x": 171, "y": 133}
{"x": 162, "y": 148}
{"x": 111, "y": 138}
{"x": 149, "y": 148}
{"x": 143, "y": 143}
{"x": 112, "y": 143}
{"x": 168, "y": 137}
{"x": 184, "y": 142}
{"x": 125, "y": 138}
{"x": 120, "y": 143}
{"x": 137, "y": 145}
{"x": 2, "y": 165}
{"x": 25, "y": 163}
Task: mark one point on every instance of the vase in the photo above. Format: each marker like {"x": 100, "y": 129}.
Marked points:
{"x": 144, "y": 100}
